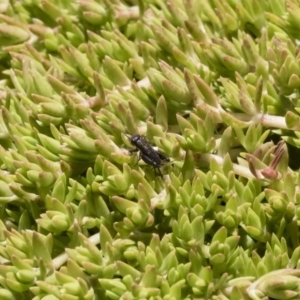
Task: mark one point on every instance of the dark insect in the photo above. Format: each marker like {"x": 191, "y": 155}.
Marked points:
{"x": 148, "y": 154}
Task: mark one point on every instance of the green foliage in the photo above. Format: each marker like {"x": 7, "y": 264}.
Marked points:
{"x": 213, "y": 85}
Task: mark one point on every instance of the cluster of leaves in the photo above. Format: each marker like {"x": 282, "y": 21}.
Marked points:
{"x": 208, "y": 82}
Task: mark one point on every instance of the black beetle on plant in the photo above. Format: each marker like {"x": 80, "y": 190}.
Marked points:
{"x": 148, "y": 154}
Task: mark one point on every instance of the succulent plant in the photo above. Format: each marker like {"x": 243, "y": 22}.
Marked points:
{"x": 213, "y": 85}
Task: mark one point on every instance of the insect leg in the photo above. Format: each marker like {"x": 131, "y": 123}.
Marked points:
{"x": 154, "y": 169}
{"x": 163, "y": 157}
{"x": 152, "y": 162}
{"x": 138, "y": 159}
{"x": 133, "y": 150}
{"x": 159, "y": 172}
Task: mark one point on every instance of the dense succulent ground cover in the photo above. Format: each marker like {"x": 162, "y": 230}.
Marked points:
{"x": 214, "y": 84}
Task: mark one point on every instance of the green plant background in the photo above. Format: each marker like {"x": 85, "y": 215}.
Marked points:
{"x": 214, "y": 85}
